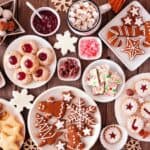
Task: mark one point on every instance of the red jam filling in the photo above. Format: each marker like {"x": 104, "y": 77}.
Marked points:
{"x": 42, "y": 56}
{"x": 21, "y": 76}
{"x": 143, "y": 88}
{"x": 28, "y": 63}
{"x": 39, "y": 73}
{"x": 27, "y": 48}
{"x": 112, "y": 135}
{"x": 129, "y": 106}
{"x": 47, "y": 24}
{"x": 12, "y": 60}
{"x": 134, "y": 126}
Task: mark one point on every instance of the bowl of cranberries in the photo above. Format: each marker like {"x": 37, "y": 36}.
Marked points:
{"x": 48, "y": 25}
{"x": 69, "y": 69}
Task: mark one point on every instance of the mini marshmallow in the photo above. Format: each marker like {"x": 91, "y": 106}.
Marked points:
{"x": 1, "y": 11}
{"x": 7, "y": 14}
{"x": 2, "y": 33}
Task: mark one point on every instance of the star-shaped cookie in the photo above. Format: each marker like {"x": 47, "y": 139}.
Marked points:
{"x": 133, "y": 48}
{"x": 19, "y": 29}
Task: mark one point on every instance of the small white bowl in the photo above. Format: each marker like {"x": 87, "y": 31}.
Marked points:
{"x": 68, "y": 79}
{"x": 115, "y": 67}
{"x": 48, "y": 9}
{"x": 99, "y": 54}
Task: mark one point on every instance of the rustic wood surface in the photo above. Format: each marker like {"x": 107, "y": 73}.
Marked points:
{"x": 107, "y": 110}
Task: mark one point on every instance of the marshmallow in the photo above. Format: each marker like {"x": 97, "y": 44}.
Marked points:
{"x": 7, "y": 14}
{"x": 2, "y": 33}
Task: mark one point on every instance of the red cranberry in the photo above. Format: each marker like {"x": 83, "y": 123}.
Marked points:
{"x": 42, "y": 56}
{"x": 21, "y": 76}
{"x": 13, "y": 60}
{"x": 39, "y": 73}
{"x": 28, "y": 63}
{"x": 27, "y": 48}
{"x": 129, "y": 92}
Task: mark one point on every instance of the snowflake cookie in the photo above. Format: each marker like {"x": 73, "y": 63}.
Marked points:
{"x": 22, "y": 100}
{"x": 62, "y": 5}
{"x": 29, "y": 145}
{"x": 65, "y": 43}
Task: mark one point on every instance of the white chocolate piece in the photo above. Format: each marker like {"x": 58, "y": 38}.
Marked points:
{"x": 7, "y": 14}
{"x": 1, "y": 11}
{"x": 2, "y": 33}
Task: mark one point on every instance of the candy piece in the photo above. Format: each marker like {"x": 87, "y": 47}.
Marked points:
{"x": 130, "y": 92}
{"x": 87, "y": 131}
{"x": 1, "y": 11}
{"x": 7, "y": 14}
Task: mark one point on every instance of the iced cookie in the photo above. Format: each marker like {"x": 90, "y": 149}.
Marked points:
{"x": 21, "y": 77}
{"x": 145, "y": 110}
{"x": 28, "y": 47}
{"x": 130, "y": 106}
{"x": 13, "y": 59}
{"x": 135, "y": 124}
{"x": 29, "y": 63}
{"x": 142, "y": 87}
{"x": 41, "y": 74}
{"x": 45, "y": 56}
{"x": 112, "y": 134}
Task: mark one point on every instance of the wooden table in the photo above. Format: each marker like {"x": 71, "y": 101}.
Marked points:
{"x": 107, "y": 110}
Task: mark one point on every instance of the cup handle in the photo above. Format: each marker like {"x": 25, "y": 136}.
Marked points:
{"x": 105, "y": 8}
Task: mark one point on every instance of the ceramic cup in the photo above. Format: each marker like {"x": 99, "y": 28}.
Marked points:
{"x": 100, "y": 10}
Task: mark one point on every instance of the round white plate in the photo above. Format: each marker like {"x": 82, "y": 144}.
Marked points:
{"x": 11, "y": 109}
{"x": 57, "y": 92}
{"x": 120, "y": 116}
{"x": 117, "y": 146}
{"x": 115, "y": 67}
{"x": 14, "y": 46}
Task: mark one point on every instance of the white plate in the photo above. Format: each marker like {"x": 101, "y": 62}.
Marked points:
{"x": 11, "y": 109}
{"x": 120, "y": 144}
{"x": 113, "y": 66}
{"x": 121, "y": 118}
{"x": 56, "y": 92}
{"x": 138, "y": 60}
{"x": 14, "y": 46}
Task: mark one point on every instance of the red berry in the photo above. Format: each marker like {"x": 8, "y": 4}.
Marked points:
{"x": 28, "y": 63}
{"x": 129, "y": 92}
{"x": 39, "y": 73}
{"x": 27, "y": 48}
{"x": 21, "y": 76}
{"x": 42, "y": 56}
{"x": 13, "y": 60}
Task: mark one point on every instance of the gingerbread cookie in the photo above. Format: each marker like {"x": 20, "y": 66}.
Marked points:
{"x": 47, "y": 133}
{"x": 52, "y": 106}
{"x": 133, "y": 48}
{"x": 146, "y": 42}
{"x": 74, "y": 138}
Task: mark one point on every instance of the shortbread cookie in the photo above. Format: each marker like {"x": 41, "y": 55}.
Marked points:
{"x": 13, "y": 59}
{"x": 29, "y": 63}
{"x": 28, "y": 47}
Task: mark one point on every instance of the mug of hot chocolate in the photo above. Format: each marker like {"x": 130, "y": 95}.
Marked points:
{"x": 84, "y": 16}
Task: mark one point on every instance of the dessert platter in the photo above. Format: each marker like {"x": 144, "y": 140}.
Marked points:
{"x": 64, "y": 115}
{"x": 132, "y": 107}
{"x": 60, "y": 71}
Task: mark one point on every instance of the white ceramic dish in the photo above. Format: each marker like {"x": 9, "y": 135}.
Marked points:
{"x": 99, "y": 54}
{"x": 68, "y": 79}
{"x": 11, "y": 109}
{"x": 117, "y": 146}
{"x": 138, "y": 60}
{"x": 14, "y": 45}
{"x": 56, "y": 92}
{"x": 120, "y": 116}
{"x": 115, "y": 67}
{"x": 48, "y": 9}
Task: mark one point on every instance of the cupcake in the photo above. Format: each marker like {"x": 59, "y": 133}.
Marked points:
{"x": 142, "y": 87}
{"x": 41, "y": 74}
{"x": 130, "y": 106}
{"x": 29, "y": 63}
{"x": 13, "y": 59}
{"x": 135, "y": 124}
{"x": 28, "y": 47}
{"x": 112, "y": 134}
{"x": 145, "y": 110}
{"x": 45, "y": 56}
{"x": 21, "y": 77}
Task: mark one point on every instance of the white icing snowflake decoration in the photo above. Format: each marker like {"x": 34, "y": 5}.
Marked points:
{"x": 138, "y": 21}
{"x": 87, "y": 131}
{"x": 60, "y": 124}
{"x": 62, "y": 5}
{"x": 60, "y": 145}
{"x": 65, "y": 42}
{"x": 21, "y": 100}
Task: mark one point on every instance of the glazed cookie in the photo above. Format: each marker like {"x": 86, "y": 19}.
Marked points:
{"x": 45, "y": 56}
{"x": 145, "y": 110}
{"x": 130, "y": 106}
{"x": 29, "y": 63}
{"x": 142, "y": 87}
{"x": 135, "y": 124}
{"x": 21, "y": 77}
{"x": 41, "y": 74}
{"x": 28, "y": 47}
{"x": 112, "y": 134}
{"x": 13, "y": 59}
